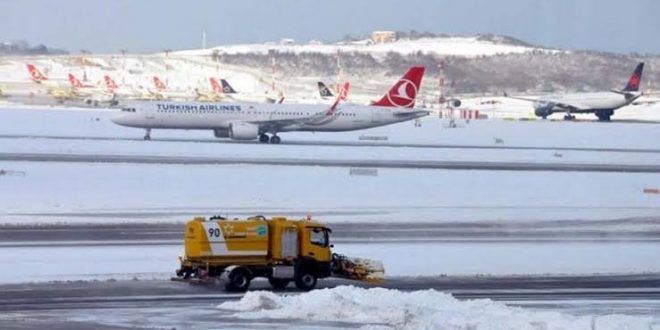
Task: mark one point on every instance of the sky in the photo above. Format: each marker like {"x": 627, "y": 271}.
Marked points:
{"x": 105, "y": 26}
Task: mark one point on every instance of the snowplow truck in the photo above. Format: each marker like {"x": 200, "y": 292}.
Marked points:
{"x": 234, "y": 252}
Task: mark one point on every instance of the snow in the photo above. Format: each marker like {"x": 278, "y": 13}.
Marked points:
{"x": 507, "y": 258}
{"x": 102, "y": 193}
{"x": 379, "y": 308}
{"x": 42, "y": 264}
{"x": 71, "y": 192}
{"x": 442, "y": 46}
{"x": 153, "y": 260}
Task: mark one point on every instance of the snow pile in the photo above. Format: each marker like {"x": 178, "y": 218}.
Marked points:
{"x": 392, "y": 309}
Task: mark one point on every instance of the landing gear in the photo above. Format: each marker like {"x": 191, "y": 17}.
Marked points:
{"x": 275, "y": 139}
{"x": 568, "y": 116}
{"x": 604, "y": 115}
{"x": 147, "y": 134}
{"x": 263, "y": 138}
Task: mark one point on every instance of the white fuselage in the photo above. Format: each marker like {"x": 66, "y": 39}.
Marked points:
{"x": 271, "y": 118}
{"x": 587, "y": 102}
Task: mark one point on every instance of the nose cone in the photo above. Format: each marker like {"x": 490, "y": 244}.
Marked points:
{"x": 121, "y": 119}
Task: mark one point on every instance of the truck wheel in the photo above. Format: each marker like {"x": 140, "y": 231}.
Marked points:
{"x": 305, "y": 281}
{"x": 278, "y": 283}
{"x": 238, "y": 281}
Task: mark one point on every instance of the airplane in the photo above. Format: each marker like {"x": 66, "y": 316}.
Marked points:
{"x": 165, "y": 93}
{"x": 324, "y": 91}
{"x": 125, "y": 92}
{"x": 91, "y": 95}
{"x": 250, "y": 120}
{"x": 76, "y": 83}
{"x": 226, "y": 87}
{"x": 56, "y": 89}
{"x": 602, "y": 104}
{"x": 214, "y": 95}
{"x": 35, "y": 74}
{"x": 231, "y": 93}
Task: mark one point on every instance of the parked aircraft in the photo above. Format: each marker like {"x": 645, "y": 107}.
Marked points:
{"x": 602, "y": 104}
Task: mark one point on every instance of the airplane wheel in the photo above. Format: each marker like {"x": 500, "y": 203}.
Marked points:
{"x": 263, "y": 138}
{"x": 569, "y": 117}
{"x": 275, "y": 139}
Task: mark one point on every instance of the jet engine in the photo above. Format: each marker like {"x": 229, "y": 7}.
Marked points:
{"x": 243, "y": 131}
{"x": 454, "y": 103}
{"x": 543, "y": 112}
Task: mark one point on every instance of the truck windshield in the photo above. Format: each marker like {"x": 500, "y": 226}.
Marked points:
{"x": 318, "y": 236}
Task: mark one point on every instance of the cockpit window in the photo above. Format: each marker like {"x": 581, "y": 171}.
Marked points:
{"x": 128, "y": 109}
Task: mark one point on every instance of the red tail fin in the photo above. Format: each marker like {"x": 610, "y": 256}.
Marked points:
{"x": 215, "y": 86}
{"x": 110, "y": 83}
{"x": 35, "y": 74}
{"x": 160, "y": 86}
{"x": 404, "y": 92}
{"x": 75, "y": 83}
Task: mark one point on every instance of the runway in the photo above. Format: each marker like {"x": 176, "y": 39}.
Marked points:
{"x": 81, "y": 305}
{"x": 358, "y": 144}
{"x": 92, "y": 294}
{"x": 358, "y": 163}
{"x": 127, "y": 234}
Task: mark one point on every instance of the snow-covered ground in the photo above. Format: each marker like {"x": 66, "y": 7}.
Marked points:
{"x": 147, "y": 261}
{"x": 379, "y": 308}
{"x": 46, "y": 192}
{"x": 64, "y": 189}
{"x": 92, "y": 193}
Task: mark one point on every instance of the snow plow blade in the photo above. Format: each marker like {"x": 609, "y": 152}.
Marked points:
{"x": 365, "y": 270}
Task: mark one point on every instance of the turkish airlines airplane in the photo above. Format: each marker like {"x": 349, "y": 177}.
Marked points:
{"x": 35, "y": 74}
{"x": 263, "y": 121}
{"x": 166, "y": 93}
{"x": 602, "y": 104}
{"x": 91, "y": 95}
{"x": 125, "y": 92}
{"x": 214, "y": 95}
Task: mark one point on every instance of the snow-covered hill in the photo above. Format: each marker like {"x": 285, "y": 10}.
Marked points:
{"x": 440, "y": 46}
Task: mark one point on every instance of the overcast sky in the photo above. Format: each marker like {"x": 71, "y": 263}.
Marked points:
{"x": 146, "y": 26}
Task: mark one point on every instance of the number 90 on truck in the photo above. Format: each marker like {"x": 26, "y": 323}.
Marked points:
{"x": 234, "y": 252}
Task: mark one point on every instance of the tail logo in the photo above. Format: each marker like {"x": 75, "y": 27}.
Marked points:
{"x": 215, "y": 86}
{"x": 405, "y": 94}
{"x": 634, "y": 81}
{"x": 110, "y": 83}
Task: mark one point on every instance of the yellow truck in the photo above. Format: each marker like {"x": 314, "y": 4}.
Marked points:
{"x": 279, "y": 249}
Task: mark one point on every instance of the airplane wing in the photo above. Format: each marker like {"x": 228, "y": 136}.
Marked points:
{"x": 549, "y": 103}
{"x": 317, "y": 119}
{"x": 529, "y": 99}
